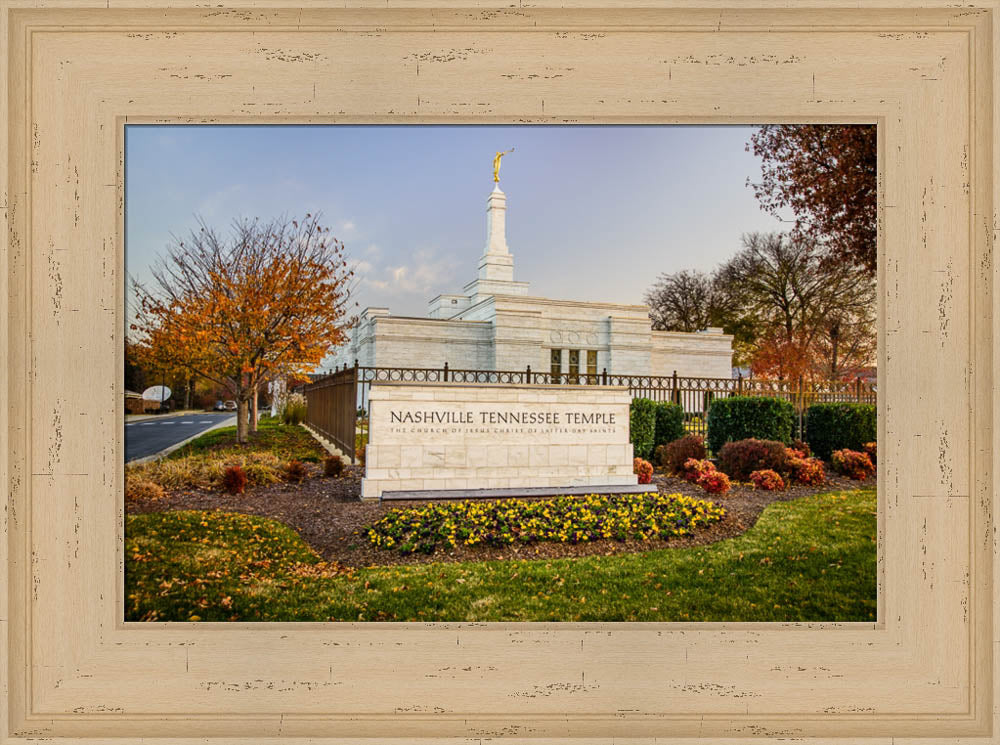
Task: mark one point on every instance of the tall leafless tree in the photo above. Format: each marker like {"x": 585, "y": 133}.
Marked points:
{"x": 683, "y": 301}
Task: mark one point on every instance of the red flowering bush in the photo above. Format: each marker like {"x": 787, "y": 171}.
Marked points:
{"x": 234, "y": 480}
{"x": 871, "y": 449}
{"x": 851, "y": 463}
{"x": 643, "y": 469}
{"x": 767, "y": 480}
{"x": 703, "y": 473}
{"x": 674, "y": 455}
{"x": 802, "y": 447}
{"x": 795, "y": 454}
{"x": 808, "y": 471}
{"x": 693, "y": 468}
{"x": 714, "y": 482}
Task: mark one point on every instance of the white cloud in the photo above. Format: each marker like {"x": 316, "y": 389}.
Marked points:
{"x": 398, "y": 274}
{"x": 404, "y": 287}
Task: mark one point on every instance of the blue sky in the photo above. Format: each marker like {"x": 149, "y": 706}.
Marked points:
{"x": 593, "y": 212}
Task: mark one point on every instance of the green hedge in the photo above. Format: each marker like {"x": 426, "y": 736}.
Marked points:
{"x": 744, "y": 417}
{"x": 669, "y": 423}
{"x": 836, "y": 426}
{"x": 642, "y": 427}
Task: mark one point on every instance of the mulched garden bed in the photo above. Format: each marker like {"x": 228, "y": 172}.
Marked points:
{"x": 328, "y": 514}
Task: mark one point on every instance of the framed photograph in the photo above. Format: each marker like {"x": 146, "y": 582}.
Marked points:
{"x": 467, "y": 521}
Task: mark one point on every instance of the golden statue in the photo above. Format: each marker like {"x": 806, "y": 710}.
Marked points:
{"x": 496, "y": 164}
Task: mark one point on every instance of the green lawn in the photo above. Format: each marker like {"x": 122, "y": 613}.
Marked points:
{"x": 288, "y": 442}
{"x": 812, "y": 559}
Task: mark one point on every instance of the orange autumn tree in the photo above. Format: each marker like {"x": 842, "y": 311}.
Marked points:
{"x": 270, "y": 299}
{"x": 778, "y": 358}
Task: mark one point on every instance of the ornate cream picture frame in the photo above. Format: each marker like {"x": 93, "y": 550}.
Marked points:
{"x": 76, "y": 71}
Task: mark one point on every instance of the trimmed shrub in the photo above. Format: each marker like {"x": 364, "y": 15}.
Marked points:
{"x": 693, "y": 468}
{"x": 714, "y": 482}
{"x": 658, "y": 455}
{"x": 142, "y": 489}
{"x": 669, "y": 422}
{"x": 333, "y": 466}
{"x": 739, "y": 459}
{"x": 792, "y": 454}
{"x": 871, "y": 448}
{"x": 294, "y": 410}
{"x": 808, "y": 471}
{"x": 767, "y": 480}
{"x": 704, "y": 474}
{"x": 643, "y": 469}
{"x": 642, "y": 426}
{"x": 672, "y": 456}
{"x": 234, "y": 480}
{"x": 851, "y": 463}
{"x": 744, "y": 417}
{"x": 295, "y": 470}
{"x": 803, "y": 447}
{"x": 838, "y": 426}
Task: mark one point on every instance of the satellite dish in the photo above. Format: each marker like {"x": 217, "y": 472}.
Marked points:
{"x": 156, "y": 393}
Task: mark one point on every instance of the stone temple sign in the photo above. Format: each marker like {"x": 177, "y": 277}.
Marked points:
{"x": 430, "y": 440}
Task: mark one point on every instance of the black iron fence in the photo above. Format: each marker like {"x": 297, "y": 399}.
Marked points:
{"x": 331, "y": 411}
{"x": 337, "y": 413}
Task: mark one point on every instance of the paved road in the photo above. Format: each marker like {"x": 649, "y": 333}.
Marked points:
{"x": 150, "y": 436}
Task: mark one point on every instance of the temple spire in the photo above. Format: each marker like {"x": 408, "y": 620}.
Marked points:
{"x": 496, "y": 222}
{"x": 497, "y": 262}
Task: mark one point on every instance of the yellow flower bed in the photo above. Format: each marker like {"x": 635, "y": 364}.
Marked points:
{"x": 649, "y": 516}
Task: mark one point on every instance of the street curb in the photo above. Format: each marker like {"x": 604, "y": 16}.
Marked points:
{"x": 177, "y": 445}
{"x": 129, "y": 418}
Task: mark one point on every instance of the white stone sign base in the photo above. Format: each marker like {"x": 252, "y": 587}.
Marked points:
{"x": 444, "y": 437}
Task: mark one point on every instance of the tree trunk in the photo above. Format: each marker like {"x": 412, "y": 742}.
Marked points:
{"x": 835, "y": 339}
{"x": 241, "y": 416}
{"x": 187, "y": 393}
{"x": 253, "y": 410}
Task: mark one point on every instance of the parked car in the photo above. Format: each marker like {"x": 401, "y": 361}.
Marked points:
{"x": 220, "y": 406}
{"x": 230, "y": 406}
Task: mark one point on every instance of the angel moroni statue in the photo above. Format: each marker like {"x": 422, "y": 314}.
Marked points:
{"x": 496, "y": 164}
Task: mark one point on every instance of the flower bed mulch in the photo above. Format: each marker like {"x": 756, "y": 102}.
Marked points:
{"x": 327, "y": 513}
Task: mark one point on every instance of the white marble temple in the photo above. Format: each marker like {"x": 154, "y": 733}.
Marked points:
{"x": 495, "y": 324}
